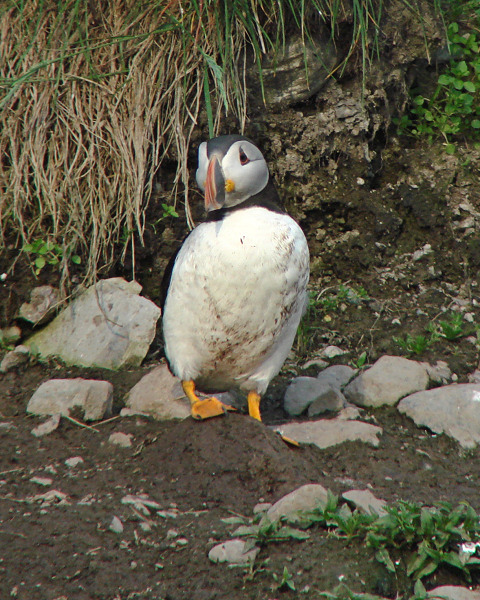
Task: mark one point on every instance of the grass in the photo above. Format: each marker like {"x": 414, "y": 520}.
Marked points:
{"x": 452, "y": 111}
{"x": 95, "y": 96}
{"x": 320, "y": 305}
{"x": 451, "y": 329}
{"x": 410, "y": 540}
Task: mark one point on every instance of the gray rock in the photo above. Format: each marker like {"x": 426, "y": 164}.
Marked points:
{"x": 331, "y": 400}
{"x": 285, "y": 80}
{"x": 453, "y": 592}
{"x": 16, "y": 357}
{"x": 387, "y": 381}
{"x": 303, "y": 391}
{"x": 439, "y": 373}
{"x": 59, "y": 396}
{"x": 305, "y": 498}
{"x": 74, "y": 461}
{"x": 116, "y": 525}
{"x": 337, "y": 376}
{"x": 118, "y": 438}
{"x": 47, "y": 426}
{"x": 329, "y": 432}
{"x": 452, "y": 409}
{"x": 10, "y": 335}
{"x": 160, "y": 395}
{"x": 366, "y": 501}
{"x": 234, "y": 552}
{"x": 332, "y": 352}
{"x": 108, "y": 326}
{"x": 44, "y": 300}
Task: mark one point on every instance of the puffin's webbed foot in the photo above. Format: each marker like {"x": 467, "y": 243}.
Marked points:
{"x": 204, "y": 409}
{"x": 254, "y": 405}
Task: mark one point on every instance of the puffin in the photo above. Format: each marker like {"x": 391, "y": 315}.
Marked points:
{"x": 234, "y": 292}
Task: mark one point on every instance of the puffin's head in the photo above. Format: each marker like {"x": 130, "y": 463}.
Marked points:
{"x": 231, "y": 169}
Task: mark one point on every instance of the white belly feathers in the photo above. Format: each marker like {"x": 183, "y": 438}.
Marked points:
{"x": 235, "y": 300}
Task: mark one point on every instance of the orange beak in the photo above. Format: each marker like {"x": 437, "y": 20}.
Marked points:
{"x": 214, "y": 186}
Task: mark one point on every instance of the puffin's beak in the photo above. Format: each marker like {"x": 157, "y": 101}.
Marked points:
{"x": 214, "y": 185}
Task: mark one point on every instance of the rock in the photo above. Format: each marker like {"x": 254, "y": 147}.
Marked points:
{"x": 141, "y": 503}
{"x": 116, "y": 525}
{"x": 332, "y": 352}
{"x": 320, "y": 395}
{"x": 387, "y": 381}
{"x": 330, "y": 400}
{"x": 10, "y": 335}
{"x": 43, "y": 302}
{"x": 453, "y": 592}
{"x": 108, "y": 326}
{"x": 337, "y": 376}
{"x": 16, "y": 357}
{"x": 160, "y": 395}
{"x": 305, "y": 498}
{"x": 74, "y": 461}
{"x": 438, "y": 373}
{"x": 6, "y": 427}
{"x": 261, "y": 507}
{"x": 59, "y": 396}
{"x": 474, "y": 377}
{"x": 285, "y": 80}
{"x": 329, "y": 432}
{"x": 233, "y": 552}
{"x": 452, "y": 409}
{"x": 47, "y": 426}
{"x": 50, "y": 498}
{"x": 45, "y": 481}
{"x": 303, "y": 391}
{"x": 315, "y": 362}
{"x": 124, "y": 440}
{"x": 366, "y": 501}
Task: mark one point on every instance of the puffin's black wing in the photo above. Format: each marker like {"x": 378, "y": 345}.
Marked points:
{"x": 167, "y": 274}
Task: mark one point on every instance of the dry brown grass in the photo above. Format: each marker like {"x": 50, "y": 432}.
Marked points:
{"x": 93, "y": 96}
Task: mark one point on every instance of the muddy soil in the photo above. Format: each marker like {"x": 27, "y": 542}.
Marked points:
{"x": 369, "y": 290}
{"x": 198, "y": 474}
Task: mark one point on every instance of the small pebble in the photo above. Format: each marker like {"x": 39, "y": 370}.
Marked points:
{"x": 74, "y": 461}
{"x": 182, "y": 542}
{"x": 172, "y": 533}
{"x": 45, "y": 481}
{"x": 124, "y": 440}
{"x": 116, "y": 525}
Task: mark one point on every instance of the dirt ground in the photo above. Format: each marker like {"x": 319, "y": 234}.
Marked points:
{"x": 394, "y": 254}
{"x": 55, "y": 519}
{"x": 198, "y": 474}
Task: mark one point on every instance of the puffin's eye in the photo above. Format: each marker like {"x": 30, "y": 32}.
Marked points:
{"x": 243, "y": 158}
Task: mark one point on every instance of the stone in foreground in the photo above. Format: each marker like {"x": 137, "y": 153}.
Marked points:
{"x": 43, "y": 303}
{"x": 366, "y": 502}
{"x": 329, "y": 432}
{"x": 60, "y": 396}
{"x": 234, "y": 552}
{"x": 452, "y": 409}
{"x": 305, "y": 498}
{"x": 158, "y": 394}
{"x": 387, "y": 381}
{"x": 108, "y": 326}
{"x": 305, "y": 391}
{"x": 453, "y": 592}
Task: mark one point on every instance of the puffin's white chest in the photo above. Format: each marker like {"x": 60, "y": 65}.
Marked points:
{"x": 237, "y": 288}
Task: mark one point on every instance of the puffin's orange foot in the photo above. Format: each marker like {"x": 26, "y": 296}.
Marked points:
{"x": 290, "y": 441}
{"x": 254, "y": 405}
{"x": 208, "y": 408}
